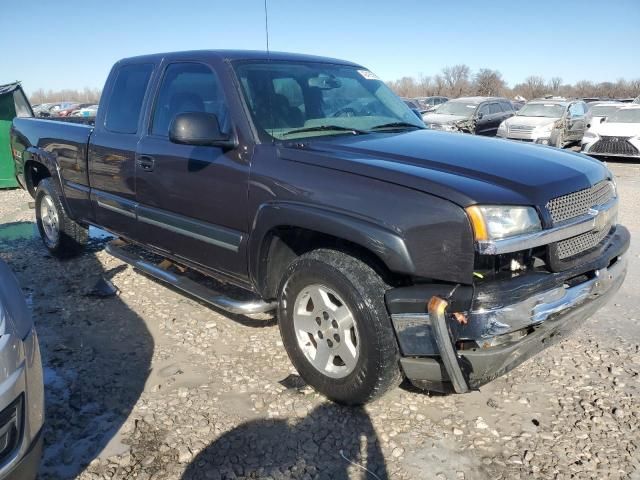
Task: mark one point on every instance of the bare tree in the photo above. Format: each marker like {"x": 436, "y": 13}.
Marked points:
{"x": 86, "y": 95}
{"x": 456, "y": 79}
{"x": 489, "y": 82}
{"x": 555, "y": 84}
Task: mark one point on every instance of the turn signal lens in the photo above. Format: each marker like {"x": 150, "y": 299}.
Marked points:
{"x": 477, "y": 223}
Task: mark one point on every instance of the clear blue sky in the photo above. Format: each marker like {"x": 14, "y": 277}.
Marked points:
{"x": 72, "y": 43}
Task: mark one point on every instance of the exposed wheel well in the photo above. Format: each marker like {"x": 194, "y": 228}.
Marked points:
{"x": 283, "y": 245}
{"x": 34, "y": 172}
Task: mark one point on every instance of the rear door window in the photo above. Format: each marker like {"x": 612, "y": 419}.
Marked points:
{"x": 125, "y": 103}
{"x": 494, "y": 108}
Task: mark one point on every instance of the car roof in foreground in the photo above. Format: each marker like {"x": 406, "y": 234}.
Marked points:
{"x": 232, "y": 55}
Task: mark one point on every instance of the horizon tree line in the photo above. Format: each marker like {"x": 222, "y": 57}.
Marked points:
{"x": 458, "y": 80}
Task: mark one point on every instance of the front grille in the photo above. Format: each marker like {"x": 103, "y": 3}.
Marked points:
{"x": 614, "y": 146}
{"x": 576, "y": 245}
{"x": 578, "y": 203}
{"x": 521, "y": 128}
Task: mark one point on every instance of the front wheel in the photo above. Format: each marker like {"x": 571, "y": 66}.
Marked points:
{"x": 61, "y": 235}
{"x": 336, "y": 329}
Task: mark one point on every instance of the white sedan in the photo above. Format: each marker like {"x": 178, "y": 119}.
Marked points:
{"x": 617, "y": 136}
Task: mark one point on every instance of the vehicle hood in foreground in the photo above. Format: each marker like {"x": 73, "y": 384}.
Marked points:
{"x": 441, "y": 118}
{"x": 530, "y": 121}
{"x": 465, "y": 169}
{"x": 619, "y": 129}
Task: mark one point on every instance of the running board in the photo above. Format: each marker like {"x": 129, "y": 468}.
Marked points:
{"x": 181, "y": 282}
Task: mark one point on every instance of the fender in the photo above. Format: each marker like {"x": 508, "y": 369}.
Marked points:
{"x": 36, "y": 155}
{"x": 388, "y": 245}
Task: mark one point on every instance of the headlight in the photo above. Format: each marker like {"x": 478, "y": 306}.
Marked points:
{"x": 496, "y": 222}
{"x": 589, "y": 134}
{"x": 447, "y": 127}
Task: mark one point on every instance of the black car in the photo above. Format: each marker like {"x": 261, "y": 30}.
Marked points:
{"x": 477, "y": 115}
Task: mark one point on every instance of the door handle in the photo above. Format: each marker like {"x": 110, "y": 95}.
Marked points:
{"x": 146, "y": 163}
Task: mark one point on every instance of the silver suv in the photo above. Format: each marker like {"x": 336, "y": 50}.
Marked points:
{"x": 547, "y": 122}
{"x": 21, "y": 385}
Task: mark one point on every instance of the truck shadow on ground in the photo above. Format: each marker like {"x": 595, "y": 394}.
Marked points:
{"x": 331, "y": 442}
{"x": 96, "y": 351}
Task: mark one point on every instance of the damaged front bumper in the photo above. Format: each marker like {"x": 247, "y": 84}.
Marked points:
{"x": 498, "y": 336}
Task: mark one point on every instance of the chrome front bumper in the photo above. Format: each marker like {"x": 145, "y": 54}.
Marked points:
{"x": 505, "y": 336}
{"x": 547, "y": 305}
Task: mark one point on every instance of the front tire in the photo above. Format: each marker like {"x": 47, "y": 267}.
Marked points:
{"x": 61, "y": 235}
{"x": 335, "y": 327}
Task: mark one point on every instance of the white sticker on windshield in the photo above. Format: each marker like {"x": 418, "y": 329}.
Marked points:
{"x": 368, "y": 75}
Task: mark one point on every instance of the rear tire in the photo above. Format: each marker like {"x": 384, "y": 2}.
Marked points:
{"x": 61, "y": 235}
{"x": 335, "y": 327}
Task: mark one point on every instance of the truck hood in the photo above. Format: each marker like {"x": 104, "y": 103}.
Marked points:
{"x": 442, "y": 119}
{"x": 465, "y": 169}
{"x": 619, "y": 129}
{"x": 530, "y": 121}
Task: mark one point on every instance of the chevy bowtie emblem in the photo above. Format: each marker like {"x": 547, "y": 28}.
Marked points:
{"x": 600, "y": 220}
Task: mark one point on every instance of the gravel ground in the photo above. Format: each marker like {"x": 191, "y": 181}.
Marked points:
{"x": 150, "y": 384}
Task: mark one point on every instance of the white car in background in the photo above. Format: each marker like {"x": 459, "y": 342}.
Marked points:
{"x": 599, "y": 112}
{"x": 617, "y": 136}
{"x": 553, "y": 121}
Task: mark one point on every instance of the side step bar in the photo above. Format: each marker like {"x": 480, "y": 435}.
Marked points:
{"x": 242, "y": 307}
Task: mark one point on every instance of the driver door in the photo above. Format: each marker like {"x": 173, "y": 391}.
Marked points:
{"x": 576, "y": 123}
{"x": 192, "y": 200}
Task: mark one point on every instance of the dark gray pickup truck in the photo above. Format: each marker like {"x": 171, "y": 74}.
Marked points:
{"x": 388, "y": 250}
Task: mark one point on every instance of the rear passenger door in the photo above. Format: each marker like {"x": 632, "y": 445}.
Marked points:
{"x": 112, "y": 148}
{"x": 192, "y": 200}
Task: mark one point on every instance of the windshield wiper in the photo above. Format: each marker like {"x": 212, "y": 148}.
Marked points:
{"x": 322, "y": 128}
{"x": 396, "y": 125}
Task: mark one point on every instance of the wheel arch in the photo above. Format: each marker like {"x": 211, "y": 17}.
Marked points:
{"x": 282, "y": 232}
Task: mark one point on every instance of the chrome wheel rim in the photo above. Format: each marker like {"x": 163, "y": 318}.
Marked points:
{"x": 50, "y": 219}
{"x": 326, "y": 331}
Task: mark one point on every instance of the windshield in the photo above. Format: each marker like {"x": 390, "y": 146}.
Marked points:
{"x": 630, "y": 115}
{"x": 463, "y": 109}
{"x": 291, "y": 100}
{"x": 603, "y": 110}
{"x": 549, "y": 110}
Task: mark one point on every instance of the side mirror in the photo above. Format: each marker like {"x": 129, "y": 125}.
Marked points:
{"x": 480, "y": 115}
{"x": 200, "y": 129}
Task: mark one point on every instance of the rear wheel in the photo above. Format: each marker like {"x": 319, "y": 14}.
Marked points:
{"x": 60, "y": 234}
{"x": 336, "y": 329}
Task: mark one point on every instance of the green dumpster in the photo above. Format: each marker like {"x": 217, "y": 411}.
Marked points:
{"x": 13, "y": 103}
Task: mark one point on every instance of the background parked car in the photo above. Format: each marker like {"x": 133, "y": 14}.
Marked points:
{"x": 599, "y": 111}
{"x": 21, "y": 384}
{"x": 88, "y": 111}
{"x": 617, "y": 136}
{"x": 548, "y": 122}
{"x": 429, "y": 104}
{"x": 477, "y": 115}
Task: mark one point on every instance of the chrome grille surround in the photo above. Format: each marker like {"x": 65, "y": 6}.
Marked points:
{"x": 521, "y": 128}
{"x": 579, "y": 203}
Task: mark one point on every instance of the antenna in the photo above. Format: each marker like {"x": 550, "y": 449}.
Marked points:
{"x": 266, "y": 24}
